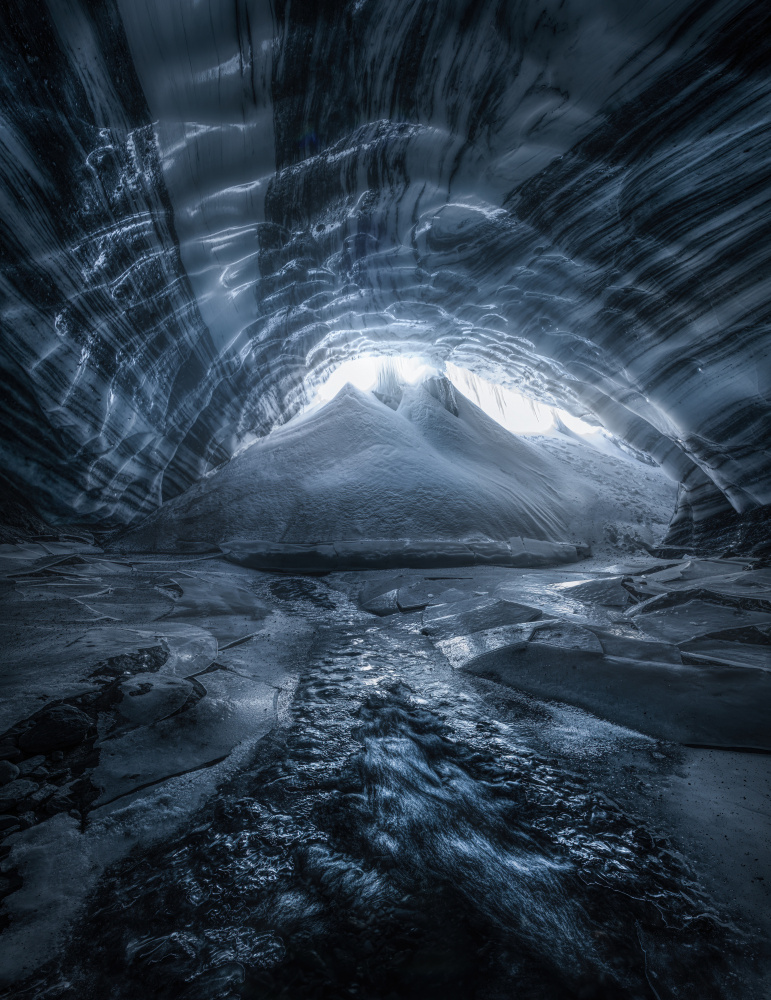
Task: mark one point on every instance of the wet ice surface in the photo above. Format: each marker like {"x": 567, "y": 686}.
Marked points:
{"x": 286, "y": 794}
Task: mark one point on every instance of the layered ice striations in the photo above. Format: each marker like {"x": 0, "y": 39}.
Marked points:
{"x": 210, "y": 206}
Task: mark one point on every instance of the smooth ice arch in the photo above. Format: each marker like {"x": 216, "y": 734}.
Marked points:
{"x": 210, "y": 206}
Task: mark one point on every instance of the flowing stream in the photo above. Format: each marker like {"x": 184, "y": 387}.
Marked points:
{"x": 406, "y": 831}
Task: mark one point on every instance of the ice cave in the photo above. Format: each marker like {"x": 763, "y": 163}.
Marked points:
{"x": 385, "y": 500}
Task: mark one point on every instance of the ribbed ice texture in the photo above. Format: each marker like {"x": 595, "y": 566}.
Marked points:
{"x": 209, "y": 202}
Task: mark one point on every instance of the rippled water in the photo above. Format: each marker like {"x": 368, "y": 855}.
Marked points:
{"x": 404, "y": 833}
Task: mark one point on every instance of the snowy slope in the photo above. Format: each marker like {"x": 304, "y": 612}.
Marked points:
{"x": 355, "y": 469}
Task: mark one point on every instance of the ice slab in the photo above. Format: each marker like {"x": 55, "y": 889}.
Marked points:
{"x": 145, "y": 700}
{"x": 710, "y": 705}
{"x": 464, "y": 650}
{"x": 636, "y": 647}
{"x": 382, "y": 604}
{"x": 416, "y": 596}
{"x": 739, "y": 654}
{"x": 409, "y": 553}
{"x": 696, "y": 618}
{"x": 609, "y": 593}
{"x": 727, "y": 596}
{"x": 209, "y": 596}
{"x": 234, "y": 708}
{"x": 475, "y": 614}
{"x": 219, "y": 605}
{"x": 46, "y": 663}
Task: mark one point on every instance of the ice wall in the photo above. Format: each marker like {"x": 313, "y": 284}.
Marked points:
{"x": 207, "y": 203}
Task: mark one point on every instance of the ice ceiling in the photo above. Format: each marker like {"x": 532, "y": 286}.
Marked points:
{"x": 209, "y": 207}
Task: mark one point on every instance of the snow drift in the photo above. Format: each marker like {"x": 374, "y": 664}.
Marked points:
{"x": 433, "y": 481}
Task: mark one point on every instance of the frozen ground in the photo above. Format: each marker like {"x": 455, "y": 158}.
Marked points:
{"x": 386, "y": 784}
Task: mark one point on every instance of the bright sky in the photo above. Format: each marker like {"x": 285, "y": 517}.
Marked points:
{"x": 517, "y": 413}
{"x": 363, "y": 373}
